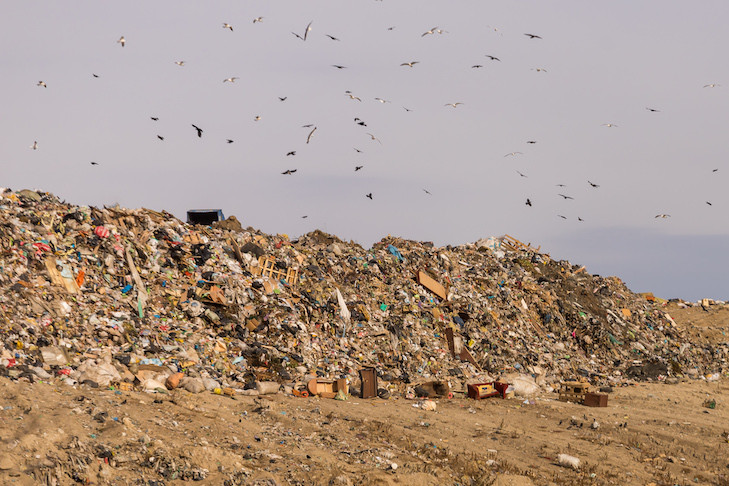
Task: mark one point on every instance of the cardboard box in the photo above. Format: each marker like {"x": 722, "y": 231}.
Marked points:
{"x": 595, "y": 400}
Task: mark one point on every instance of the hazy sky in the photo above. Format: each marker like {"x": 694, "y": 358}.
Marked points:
{"x": 596, "y": 64}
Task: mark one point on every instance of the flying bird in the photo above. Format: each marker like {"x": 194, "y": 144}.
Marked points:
{"x": 161, "y": 137}
{"x": 715, "y": 170}
{"x": 289, "y": 171}
{"x": 513, "y": 154}
{"x": 352, "y": 97}
{"x": 531, "y": 141}
{"x": 563, "y": 217}
{"x": 561, "y": 185}
{"x": 652, "y": 110}
{"x": 282, "y": 99}
{"x": 42, "y": 83}
{"x": 227, "y": 26}
{"x": 34, "y": 146}
{"x": 528, "y": 202}
{"x": 406, "y": 109}
{"x": 357, "y": 150}
{"x": 338, "y": 66}
{"x": 358, "y": 167}
{"x": 180, "y": 63}
{"x": 431, "y": 31}
{"x": 712, "y": 85}
{"x": 199, "y": 130}
{"x": 493, "y": 58}
{"x": 369, "y": 195}
{"x": 358, "y": 121}
{"x": 609, "y": 125}
{"x": 95, "y": 75}
{"x": 579, "y": 219}
{"x": 453, "y": 104}
{"x": 331, "y": 37}
{"x": 293, "y": 152}
{"x": 520, "y": 174}
{"x": 257, "y": 118}
{"x": 476, "y": 66}
{"x": 230, "y": 80}
{"x": 94, "y": 163}
{"x": 565, "y": 197}
{"x": 540, "y": 70}
{"x": 258, "y": 19}
{"x": 306, "y": 32}
{"x": 381, "y": 100}
{"x": 307, "y": 125}
{"x": 154, "y": 118}
{"x": 227, "y": 140}
{"x": 441, "y": 31}
{"x": 427, "y": 192}
{"x": 410, "y": 64}
{"x": 374, "y": 138}
{"x": 305, "y": 216}
{"x": 532, "y": 36}
{"x": 593, "y": 184}
{"x": 662, "y": 216}
{"x": 122, "y": 41}
{"x": 310, "y": 134}
{"x": 707, "y": 202}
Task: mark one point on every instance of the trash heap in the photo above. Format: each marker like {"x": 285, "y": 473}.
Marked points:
{"x": 129, "y": 297}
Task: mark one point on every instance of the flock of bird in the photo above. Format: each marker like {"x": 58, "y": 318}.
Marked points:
{"x": 410, "y": 64}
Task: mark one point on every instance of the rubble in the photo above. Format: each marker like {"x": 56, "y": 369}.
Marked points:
{"x": 99, "y": 295}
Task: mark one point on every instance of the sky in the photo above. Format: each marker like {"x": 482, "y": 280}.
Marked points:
{"x": 584, "y": 91}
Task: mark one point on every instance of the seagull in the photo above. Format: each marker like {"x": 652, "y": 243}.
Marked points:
{"x": 566, "y": 197}
{"x": 42, "y": 83}
{"x": 34, "y": 146}
{"x": 352, "y": 97}
{"x": 122, "y": 41}
{"x": 310, "y": 134}
{"x": 258, "y": 19}
{"x": 338, "y": 66}
{"x": 257, "y": 118}
{"x": 593, "y": 184}
{"x": 289, "y": 171}
{"x": 476, "y": 66}
{"x": 282, "y": 99}
{"x": 227, "y": 140}
{"x": 410, "y": 64}
{"x": 441, "y": 31}
{"x": 374, "y": 138}
{"x": 230, "y": 80}
{"x": 431, "y": 31}
{"x": 609, "y": 125}
{"x": 161, "y": 137}
{"x": 381, "y": 100}
{"x": 520, "y": 174}
{"x": 563, "y": 217}
{"x": 227, "y": 26}
{"x": 180, "y": 63}
{"x": 453, "y": 104}
{"x": 652, "y": 110}
{"x": 540, "y": 70}
{"x": 358, "y": 167}
{"x": 427, "y": 192}
{"x": 493, "y": 58}
{"x": 154, "y": 118}
{"x": 528, "y": 202}
{"x": 532, "y": 36}
{"x": 199, "y": 130}
{"x": 662, "y": 216}
{"x": 369, "y": 195}
{"x": 293, "y": 152}
{"x": 331, "y": 37}
{"x": 712, "y": 85}
{"x": 513, "y": 154}
{"x": 94, "y": 163}
{"x": 306, "y": 32}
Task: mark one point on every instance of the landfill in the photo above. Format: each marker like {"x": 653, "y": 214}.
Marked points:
{"x": 135, "y": 299}
{"x": 93, "y": 294}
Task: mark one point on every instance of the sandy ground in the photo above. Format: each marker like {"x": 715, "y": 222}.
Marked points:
{"x": 649, "y": 433}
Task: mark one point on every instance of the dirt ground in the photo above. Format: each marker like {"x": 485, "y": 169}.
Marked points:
{"x": 650, "y": 433}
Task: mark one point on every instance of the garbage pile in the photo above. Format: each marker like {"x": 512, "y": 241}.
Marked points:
{"x": 137, "y": 298}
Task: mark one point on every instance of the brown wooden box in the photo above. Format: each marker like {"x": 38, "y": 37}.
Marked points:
{"x": 595, "y": 400}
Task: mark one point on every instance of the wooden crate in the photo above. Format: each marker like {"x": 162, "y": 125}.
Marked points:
{"x": 595, "y": 400}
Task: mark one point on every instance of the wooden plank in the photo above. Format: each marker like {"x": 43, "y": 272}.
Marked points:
{"x": 426, "y": 281}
